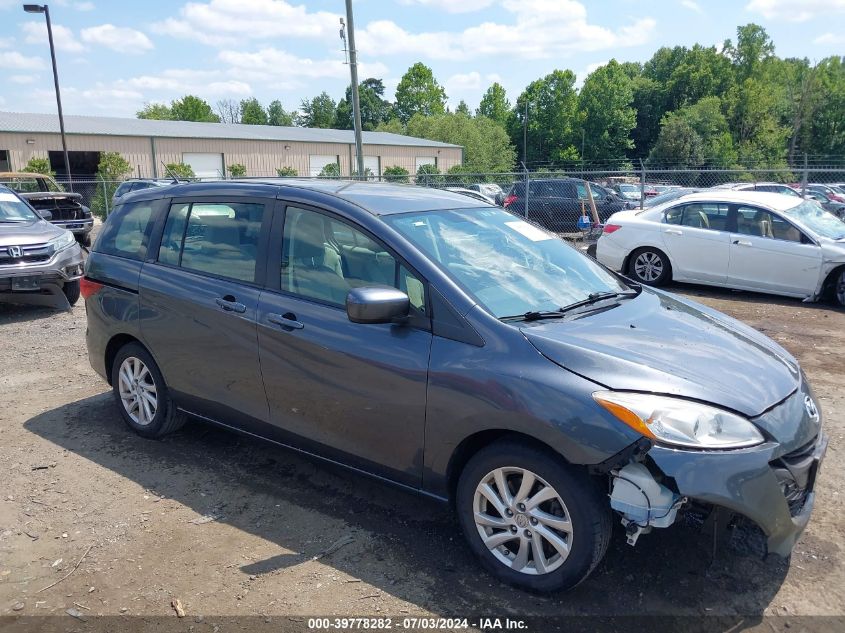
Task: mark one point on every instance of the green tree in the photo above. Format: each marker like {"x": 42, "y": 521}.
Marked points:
{"x": 827, "y": 135}
{"x": 419, "y": 93}
{"x": 495, "y": 105}
{"x": 552, "y": 118}
{"x": 375, "y": 109}
{"x": 393, "y": 126}
{"x": 395, "y": 173}
{"x": 179, "y": 170}
{"x": 252, "y": 112}
{"x": 759, "y": 135}
{"x": 39, "y": 166}
{"x": 605, "y": 113}
{"x": 332, "y": 170}
{"x": 317, "y": 112}
{"x": 678, "y": 145}
{"x": 158, "y": 111}
{"x": 487, "y": 147}
{"x": 753, "y": 47}
{"x": 277, "y": 115}
{"x": 111, "y": 170}
{"x": 191, "y": 108}
{"x": 237, "y": 170}
{"x": 706, "y": 118}
{"x": 286, "y": 172}
{"x": 428, "y": 174}
{"x": 463, "y": 108}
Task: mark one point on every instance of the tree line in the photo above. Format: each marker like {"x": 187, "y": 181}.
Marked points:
{"x": 738, "y": 105}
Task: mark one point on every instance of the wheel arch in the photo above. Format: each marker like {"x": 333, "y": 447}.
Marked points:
{"x": 830, "y": 279}
{"x": 114, "y": 345}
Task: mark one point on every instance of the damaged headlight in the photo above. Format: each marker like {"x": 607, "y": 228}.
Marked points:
{"x": 63, "y": 241}
{"x": 680, "y": 422}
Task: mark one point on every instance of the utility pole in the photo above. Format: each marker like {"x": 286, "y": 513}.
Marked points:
{"x": 525, "y": 136}
{"x": 356, "y": 103}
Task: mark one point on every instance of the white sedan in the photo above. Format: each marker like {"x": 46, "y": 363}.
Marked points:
{"x": 765, "y": 242}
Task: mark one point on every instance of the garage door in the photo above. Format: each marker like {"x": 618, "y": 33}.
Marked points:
{"x": 316, "y": 162}
{"x": 425, "y": 160}
{"x": 370, "y": 162}
{"x": 205, "y": 165}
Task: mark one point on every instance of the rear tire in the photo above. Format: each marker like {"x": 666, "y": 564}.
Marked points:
{"x": 142, "y": 395}
{"x": 650, "y": 266}
{"x": 838, "y": 288}
{"x": 547, "y": 532}
{"x": 71, "y": 290}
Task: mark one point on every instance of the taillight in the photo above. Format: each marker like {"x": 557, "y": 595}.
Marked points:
{"x": 89, "y": 288}
{"x": 510, "y": 200}
{"x": 611, "y": 228}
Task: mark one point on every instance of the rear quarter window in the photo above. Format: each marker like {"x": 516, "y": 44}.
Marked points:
{"x": 126, "y": 233}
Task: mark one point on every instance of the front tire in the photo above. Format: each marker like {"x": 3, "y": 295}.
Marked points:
{"x": 533, "y": 521}
{"x": 71, "y": 289}
{"x": 142, "y": 395}
{"x": 839, "y": 288}
{"x": 650, "y": 266}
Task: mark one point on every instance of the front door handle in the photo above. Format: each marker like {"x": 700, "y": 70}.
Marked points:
{"x": 742, "y": 242}
{"x": 287, "y": 320}
{"x": 230, "y": 304}
{"x": 674, "y": 231}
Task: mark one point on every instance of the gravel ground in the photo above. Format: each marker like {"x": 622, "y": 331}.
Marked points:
{"x": 229, "y": 525}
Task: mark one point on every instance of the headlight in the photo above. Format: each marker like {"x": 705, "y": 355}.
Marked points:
{"x": 680, "y": 422}
{"x": 63, "y": 241}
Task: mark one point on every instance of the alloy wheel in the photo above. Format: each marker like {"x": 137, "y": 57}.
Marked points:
{"x": 138, "y": 391}
{"x": 648, "y": 266}
{"x": 522, "y": 520}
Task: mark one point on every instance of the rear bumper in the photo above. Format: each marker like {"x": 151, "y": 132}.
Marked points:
{"x": 752, "y": 483}
{"x": 610, "y": 253}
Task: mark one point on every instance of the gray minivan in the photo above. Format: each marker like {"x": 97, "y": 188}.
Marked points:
{"x": 454, "y": 349}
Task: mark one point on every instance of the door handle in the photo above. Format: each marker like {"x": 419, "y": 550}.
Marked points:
{"x": 674, "y": 231}
{"x": 742, "y": 242}
{"x": 287, "y": 321}
{"x": 230, "y": 304}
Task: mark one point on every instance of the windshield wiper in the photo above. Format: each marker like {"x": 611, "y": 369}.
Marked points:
{"x": 596, "y": 297}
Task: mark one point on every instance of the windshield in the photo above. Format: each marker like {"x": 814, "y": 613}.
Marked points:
{"x": 13, "y": 209}
{"x": 509, "y": 266}
{"x": 31, "y": 184}
{"x": 667, "y": 197}
{"x": 818, "y": 220}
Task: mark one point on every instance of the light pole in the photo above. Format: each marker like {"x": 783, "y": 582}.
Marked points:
{"x": 43, "y": 8}
{"x": 356, "y": 102}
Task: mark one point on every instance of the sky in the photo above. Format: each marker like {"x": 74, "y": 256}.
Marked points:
{"x": 116, "y": 55}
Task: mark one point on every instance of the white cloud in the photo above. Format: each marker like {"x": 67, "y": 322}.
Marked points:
{"x": 463, "y": 82}
{"x": 829, "y": 38}
{"x": 540, "y": 29}
{"x": 451, "y": 6}
{"x": 120, "y": 39}
{"x": 220, "y": 22}
{"x": 278, "y": 65}
{"x": 23, "y": 79}
{"x": 6, "y": 42}
{"x": 16, "y": 61}
{"x": 795, "y": 11}
{"x": 63, "y": 37}
{"x": 174, "y": 83}
{"x": 84, "y": 6}
{"x": 581, "y": 76}
{"x": 692, "y": 5}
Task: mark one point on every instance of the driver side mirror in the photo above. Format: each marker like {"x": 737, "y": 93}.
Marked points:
{"x": 377, "y": 304}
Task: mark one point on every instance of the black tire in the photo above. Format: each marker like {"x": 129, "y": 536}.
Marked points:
{"x": 167, "y": 418}
{"x": 648, "y": 275}
{"x": 585, "y": 504}
{"x": 71, "y": 290}
{"x": 838, "y": 287}
{"x": 84, "y": 239}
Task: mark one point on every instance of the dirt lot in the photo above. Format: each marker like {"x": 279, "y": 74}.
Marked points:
{"x": 77, "y": 482}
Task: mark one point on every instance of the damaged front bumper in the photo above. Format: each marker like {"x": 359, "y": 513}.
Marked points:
{"x": 40, "y": 283}
{"x": 774, "y": 491}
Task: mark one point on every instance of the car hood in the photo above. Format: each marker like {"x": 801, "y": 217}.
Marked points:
{"x": 23, "y": 233}
{"x": 659, "y": 343}
{"x": 51, "y": 195}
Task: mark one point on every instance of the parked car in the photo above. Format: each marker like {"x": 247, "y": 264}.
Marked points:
{"x": 455, "y": 350}
{"x": 62, "y": 208}
{"x": 765, "y": 242}
{"x": 629, "y": 191}
{"x": 668, "y": 196}
{"x": 831, "y": 193}
{"x": 557, "y": 203}
{"x": 40, "y": 263}
{"x": 472, "y": 194}
{"x": 137, "y": 184}
{"x": 765, "y": 187}
{"x": 489, "y": 189}
{"x": 836, "y": 208}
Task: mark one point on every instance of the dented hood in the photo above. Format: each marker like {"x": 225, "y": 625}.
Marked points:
{"x": 37, "y": 196}
{"x": 663, "y": 344}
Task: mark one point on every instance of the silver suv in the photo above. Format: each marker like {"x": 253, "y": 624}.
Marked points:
{"x": 40, "y": 263}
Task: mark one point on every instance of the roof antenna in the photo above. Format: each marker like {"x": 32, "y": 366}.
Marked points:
{"x": 170, "y": 173}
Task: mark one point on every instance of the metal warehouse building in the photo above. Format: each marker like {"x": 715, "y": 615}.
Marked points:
{"x": 207, "y": 147}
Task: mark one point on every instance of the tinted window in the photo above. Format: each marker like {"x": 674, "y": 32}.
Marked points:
{"x": 127, "y": 231}
{"x": 323, "y": 258}
{"x": 699, "y": 215}
{"x": 753, "y": 221}
{"x": 216, "y": 238}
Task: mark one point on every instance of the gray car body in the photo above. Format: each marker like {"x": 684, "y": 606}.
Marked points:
{"x": 410, "y": 403}
{"x": 51, "y": 270}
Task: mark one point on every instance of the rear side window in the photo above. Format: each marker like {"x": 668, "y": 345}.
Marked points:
{"x": 127, "y": 232}
{"x": 699, "y": 215}
{"x": 219, "y": 238}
